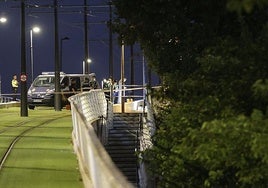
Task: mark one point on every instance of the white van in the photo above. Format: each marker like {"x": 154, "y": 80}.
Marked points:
{"x": 41, "y": 91}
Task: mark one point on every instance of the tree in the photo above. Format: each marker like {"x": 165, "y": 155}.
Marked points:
{"x": 212, "y": 58}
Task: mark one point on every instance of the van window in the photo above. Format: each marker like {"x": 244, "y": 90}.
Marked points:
{"x": 44, "y": 81}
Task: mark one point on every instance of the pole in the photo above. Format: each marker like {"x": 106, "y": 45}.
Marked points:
{"x": 57, "y": 101}
{"x": 61, "y": 54}
{"x": 86, "y": 38}
{"x": 132, "y": 67}
{"x": 111, "y": 62}
{"x": 111, "y": 66}
{"x": 61, "y": 42}
{"x": 122, "y": 77}
{"x": 31, "y": 51}
{"x": 83, "y": 67}
{"x": 143, "y": 77}
{"x": 23, "y": 103}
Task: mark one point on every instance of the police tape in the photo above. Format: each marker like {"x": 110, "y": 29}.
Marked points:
{"x": 77, "y": 92}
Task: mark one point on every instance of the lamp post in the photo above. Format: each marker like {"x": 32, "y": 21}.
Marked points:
{"x": 23, "y": 93}
{"x": 2, "y": 20}
{"x": 61, "y": 41}
{"x": 35, "y": 30}
{"x": 85, "y": 66}
{"x": 122, "y": 92}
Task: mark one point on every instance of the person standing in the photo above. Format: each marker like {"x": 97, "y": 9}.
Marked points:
{"x": 15, "y": 85}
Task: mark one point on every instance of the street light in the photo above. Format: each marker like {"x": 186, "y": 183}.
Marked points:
{"x": 3, "y": 19}
{"x": 61, "y": 40}
{"x": 84, "y": 65}
{"x": 33, "y": 30}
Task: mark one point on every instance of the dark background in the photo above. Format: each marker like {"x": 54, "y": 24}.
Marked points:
{"x": 70, "y": 21}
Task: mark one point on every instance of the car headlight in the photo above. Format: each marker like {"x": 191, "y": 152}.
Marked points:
{"x": 49, "y": 91}
{"x": 30, "y": 91}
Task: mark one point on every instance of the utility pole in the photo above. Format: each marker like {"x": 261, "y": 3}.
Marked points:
{"x": 23, "y": 100}
{"x": 61, "y": 43}
{"x": 57, "y": 96}
{"x": 122, "y": 77}
{"x": 111, "y": 63}
{"x": 86, "y": 39}
{"x": 131, "y": 67}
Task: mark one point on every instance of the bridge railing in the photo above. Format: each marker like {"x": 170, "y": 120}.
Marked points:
{"x": 5, "y": 99}
{"x": 96, "y": 167}
{"x": 92, "y": 114}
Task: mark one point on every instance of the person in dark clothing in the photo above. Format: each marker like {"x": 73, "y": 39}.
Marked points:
{"x": 93, "y": 84}
{"x": 86, "y": 85}
{"x": 73, "y": 86}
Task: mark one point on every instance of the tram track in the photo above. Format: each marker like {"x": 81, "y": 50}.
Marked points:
{"x": 20, "y": 135}
{"x": 3, "y": 130}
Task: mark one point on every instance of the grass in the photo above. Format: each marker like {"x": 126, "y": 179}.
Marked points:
{"x": 44, "y": 156}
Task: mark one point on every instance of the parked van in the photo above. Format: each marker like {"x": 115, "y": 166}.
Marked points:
{"x": 41, "y": 91}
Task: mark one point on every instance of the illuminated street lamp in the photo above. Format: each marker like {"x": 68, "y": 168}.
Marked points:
{"x": 3, "y": 19}
{"x": 33, "y": 30}
{"x": 84, "y": 65}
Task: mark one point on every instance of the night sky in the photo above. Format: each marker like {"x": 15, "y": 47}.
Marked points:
{"x": 70, "y": 22}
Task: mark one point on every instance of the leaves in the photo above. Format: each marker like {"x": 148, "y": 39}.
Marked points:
{"x": 212, "y": 58}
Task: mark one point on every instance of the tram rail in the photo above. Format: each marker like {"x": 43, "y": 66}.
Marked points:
{"x": 36, "y": 151}
{"x": 20, "y": 135}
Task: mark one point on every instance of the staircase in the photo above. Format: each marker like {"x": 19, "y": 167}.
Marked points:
{"x": 123, "y": 144}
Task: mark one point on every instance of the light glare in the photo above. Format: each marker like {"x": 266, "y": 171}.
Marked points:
{"x": 3, "y": 20}
{"x": 36, "y": 29}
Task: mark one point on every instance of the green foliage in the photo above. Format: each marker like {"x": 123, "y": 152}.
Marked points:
{"x": 222, "y": 153}
{"x": 212, "y": 58}
{"x": 245, "y": 5}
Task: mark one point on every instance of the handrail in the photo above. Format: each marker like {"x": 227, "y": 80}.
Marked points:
{"x": 90, "y": 109}
{"x": 96, "y": 166}
{"x": 4, "y": 99}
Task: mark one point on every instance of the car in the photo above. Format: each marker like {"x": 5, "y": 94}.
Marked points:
{"x": 42, "y": 90}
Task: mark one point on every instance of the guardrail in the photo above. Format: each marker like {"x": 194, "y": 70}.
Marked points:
{"x": 96, "y": 167}
{"x": 92, "y": 110}
{"x": 6, "y": 102}
{"x": 4, "y": 99}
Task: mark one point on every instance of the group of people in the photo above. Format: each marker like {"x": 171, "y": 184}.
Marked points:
{"x": 71, "y": 86}
{"x": 117, "y": 87}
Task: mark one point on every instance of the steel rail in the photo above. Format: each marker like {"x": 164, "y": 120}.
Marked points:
{"x": 18, "y": 137}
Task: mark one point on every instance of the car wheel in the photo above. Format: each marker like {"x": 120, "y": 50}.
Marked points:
{"x": 31, "y": 107}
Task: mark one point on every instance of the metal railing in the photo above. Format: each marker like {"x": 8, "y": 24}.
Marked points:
{"x": 4, "y": 99}
{"x": 92, "y": 116}
{"x": 96, "y": 166}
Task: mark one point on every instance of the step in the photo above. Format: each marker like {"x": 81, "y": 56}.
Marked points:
{"x": 123, "y": 144}
{"x": 118, "y": 148}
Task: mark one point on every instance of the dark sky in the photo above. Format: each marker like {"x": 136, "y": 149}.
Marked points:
{"x": 70, "y": 21}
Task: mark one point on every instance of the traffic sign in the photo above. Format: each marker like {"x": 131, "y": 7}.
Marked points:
{"x": 23, "y": 78}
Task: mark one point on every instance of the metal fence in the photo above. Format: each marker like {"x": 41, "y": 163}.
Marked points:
{"x": 4, "y": 99}
{"x": 96, "y": 166}
{"x": 92, "y": 115}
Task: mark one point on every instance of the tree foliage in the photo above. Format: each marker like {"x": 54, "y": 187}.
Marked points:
{"x": 212, "y": 58}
